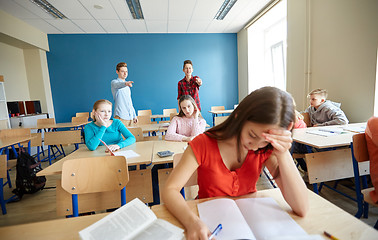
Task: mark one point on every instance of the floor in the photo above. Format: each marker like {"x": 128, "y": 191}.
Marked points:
{"x": 41, "y": 205}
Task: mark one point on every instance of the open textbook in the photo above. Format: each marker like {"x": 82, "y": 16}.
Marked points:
{"x": 125, "y": 153}
{"x": 132, "y": 221}
{"x": 250, "y": 218}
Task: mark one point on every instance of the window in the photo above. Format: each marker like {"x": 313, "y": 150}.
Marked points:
{"x": 267, "y": 49}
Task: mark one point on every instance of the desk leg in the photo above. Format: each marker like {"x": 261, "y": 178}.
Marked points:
{"x": 359, "y": 196}
{"x": 315, "y": 186}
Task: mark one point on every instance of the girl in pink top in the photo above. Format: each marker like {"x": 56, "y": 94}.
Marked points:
{"x": 229, "y": 157}
{"x": 188, "y": 124}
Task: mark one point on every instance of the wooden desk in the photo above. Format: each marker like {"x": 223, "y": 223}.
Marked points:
{"x": 323, "y": 216}
{"x": 144, "y": 149}
{"x": 336, "y": 163}
{"x": 56, "y": 125}
{"x": 216, "y": 112}
{"x": 176, "y": 147}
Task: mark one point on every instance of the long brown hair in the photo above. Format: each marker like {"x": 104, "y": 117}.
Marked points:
{"x": 267, "y": 105}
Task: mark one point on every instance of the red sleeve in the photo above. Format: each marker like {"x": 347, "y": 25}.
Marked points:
{"x": 200, "y": 147}
{"x": 179, "y": 90}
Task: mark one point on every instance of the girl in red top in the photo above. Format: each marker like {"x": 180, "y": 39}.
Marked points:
{"x": 229, "y": 158}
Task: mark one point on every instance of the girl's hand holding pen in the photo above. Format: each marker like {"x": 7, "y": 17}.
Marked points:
{"x": 197, "y": 230}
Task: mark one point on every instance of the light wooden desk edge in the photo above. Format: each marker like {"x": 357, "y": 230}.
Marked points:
{"x": 323, "y": 216}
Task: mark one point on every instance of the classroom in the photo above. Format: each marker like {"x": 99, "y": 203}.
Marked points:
{"x": 330, "y": 44}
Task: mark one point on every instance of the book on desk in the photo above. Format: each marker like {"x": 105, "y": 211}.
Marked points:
{"x": 134, "y": 220}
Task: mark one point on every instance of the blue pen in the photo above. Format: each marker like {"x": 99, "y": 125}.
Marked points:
{"x": 216, "y": 231}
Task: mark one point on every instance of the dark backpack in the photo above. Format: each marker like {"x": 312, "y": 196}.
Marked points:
{"x": 26, "y": 179}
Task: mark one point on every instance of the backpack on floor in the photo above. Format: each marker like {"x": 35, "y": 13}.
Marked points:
{"x": 26, "y": 179}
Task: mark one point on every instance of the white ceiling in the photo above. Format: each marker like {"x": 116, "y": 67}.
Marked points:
{"x": 160, "y": 16}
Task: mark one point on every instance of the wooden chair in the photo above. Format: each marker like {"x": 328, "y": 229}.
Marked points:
{"x": 79, "y": 120}
{"x": 4, "y": 167}
{"x": 61, "y": 138}
{"x": 219, "y": 120}
{"x": 137, "y": 132}
{"x": 172, "y": 115}
{"x": 217, "y": 108}
{"x": 83, "y": 114}
{"x": 192, "y": 180}
{"x": 144, "y": 119}
{"x": 94, "y": 175}
{"x": 361, "y": 154}
{"x": 10, "y": 134}
{"x": 169, "y": 111}
{"x": 144, "y": 112}
{"x": 306, "y": 119}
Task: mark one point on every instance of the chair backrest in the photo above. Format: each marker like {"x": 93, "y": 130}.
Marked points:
{"x": 62, "y": 137}
{"x": 360, "y": 150}
{"x": 219, "y": 120}
{"x": 306, "y": 119}
{"x": 36, "y": 140}
{"x": 144, "y": 119}
{"x": 172, "y": 115}
{"x": 15, "y": 132}
{"x": 193, "y": 179}
{"x": 3, "y": 166}
{"x": 137, "y": 132}
{"x": 144, "y": 112}
{"x": 82, "y": 114}
{"x": 79, "y": 119}
{"x": 95, "y": 174}
{"x": 167, "y": 112}
{"x": 45, "y": 121}
{"x": 216, "y": 108}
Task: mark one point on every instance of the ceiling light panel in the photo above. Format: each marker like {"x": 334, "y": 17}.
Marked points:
{"x": 73, "y": 9}
{"x": 135, "y": 9}
{"x": 49, "y": 8}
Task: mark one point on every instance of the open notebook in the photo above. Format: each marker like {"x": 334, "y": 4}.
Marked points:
{"x": 250, "y": 218}
{"x": 125, "y": 153}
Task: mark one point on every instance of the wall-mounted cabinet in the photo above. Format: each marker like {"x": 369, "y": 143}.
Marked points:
{"x": 4, "y": 115}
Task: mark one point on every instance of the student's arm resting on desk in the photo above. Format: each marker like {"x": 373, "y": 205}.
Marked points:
{"x": 129, "y": 137}
{"x": 93, "y": 136}
{"x": 176, "y": 204}
{"x": 282, "y": 167}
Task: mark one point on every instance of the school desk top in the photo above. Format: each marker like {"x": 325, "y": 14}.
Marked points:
{"x": 322, "y": 216}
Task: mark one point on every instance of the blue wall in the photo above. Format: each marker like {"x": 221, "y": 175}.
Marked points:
{"x": 81, "y": 67}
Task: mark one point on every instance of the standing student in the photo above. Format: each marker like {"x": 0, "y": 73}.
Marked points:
{"x": 123, "y": 108}
{"x": 188, "y": 123}
{"x": 109, "y": 131}
{"x": 189, "y": 85}
{"x": 230, "y": 157}
{"x": 324, "y": 112}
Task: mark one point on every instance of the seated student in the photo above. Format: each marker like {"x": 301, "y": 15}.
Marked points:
{"x": 230, "y": 157}
{"x": 324, "y": 112}
{"x": 188, "y": 124}
{"x": 299, "y": 147}
{"x": 109, "y": 131}
{"x": 371, "y": 136}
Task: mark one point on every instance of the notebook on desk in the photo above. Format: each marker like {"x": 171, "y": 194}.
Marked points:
{"x": 250, "y": 218}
